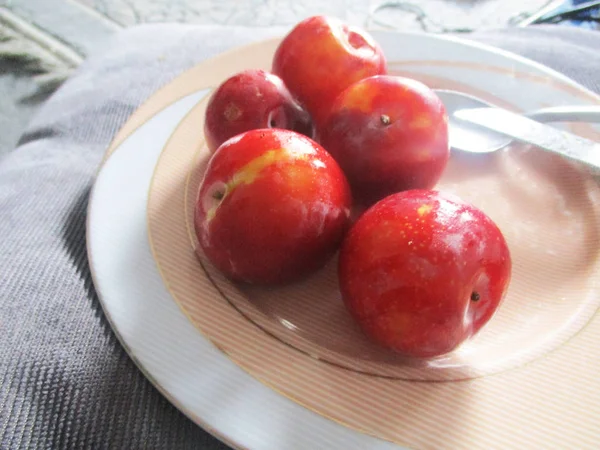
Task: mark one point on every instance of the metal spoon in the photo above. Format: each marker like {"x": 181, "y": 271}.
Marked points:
{"x": 471, "y": 138}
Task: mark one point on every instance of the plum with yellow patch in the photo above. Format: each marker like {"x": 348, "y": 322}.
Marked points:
{"x": 388, "y": 134}
{"x": 273, "y": 207}
{"x": 321, "y": 56}
{"x": 249, "y": 100}
{"x": 421, "y": 272}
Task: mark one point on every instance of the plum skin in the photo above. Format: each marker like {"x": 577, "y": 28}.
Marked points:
{"x": 389, "y": 134}
{"x": 422, "y": 271}
{"x": 249, "y": 100}
{"x": 272, "y": 208}
{"x": 321, "y": 56}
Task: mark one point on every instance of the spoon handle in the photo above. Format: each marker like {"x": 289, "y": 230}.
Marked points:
{"x": 533, "y": 132}
{"x": 566, "y": 114}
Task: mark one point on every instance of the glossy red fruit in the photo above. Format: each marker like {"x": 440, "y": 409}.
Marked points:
{"x": 388, "y": 134}
{"x": 322, "y": 56}
{"x": 273, "y": 207}
{"x": 250, "y": 100}
{"x": 422, "y": 271}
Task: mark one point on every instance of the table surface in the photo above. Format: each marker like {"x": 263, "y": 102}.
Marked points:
{"x": 473, "y": 14}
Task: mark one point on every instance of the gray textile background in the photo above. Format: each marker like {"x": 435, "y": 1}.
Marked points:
{"x": 66, "y": 383}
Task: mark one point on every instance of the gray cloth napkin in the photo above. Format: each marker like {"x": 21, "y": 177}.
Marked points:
{"x": 66, "y": 381}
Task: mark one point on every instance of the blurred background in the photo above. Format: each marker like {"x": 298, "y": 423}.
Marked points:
{"x": 43, "y": 41}
{"x": 402, "y": 14}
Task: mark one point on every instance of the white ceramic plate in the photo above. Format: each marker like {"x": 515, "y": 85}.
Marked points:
{"x": 233, "y": 393}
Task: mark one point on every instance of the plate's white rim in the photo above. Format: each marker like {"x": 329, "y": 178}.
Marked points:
{"x": 505, "y": 54}
{"x": 141, "y": 360}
